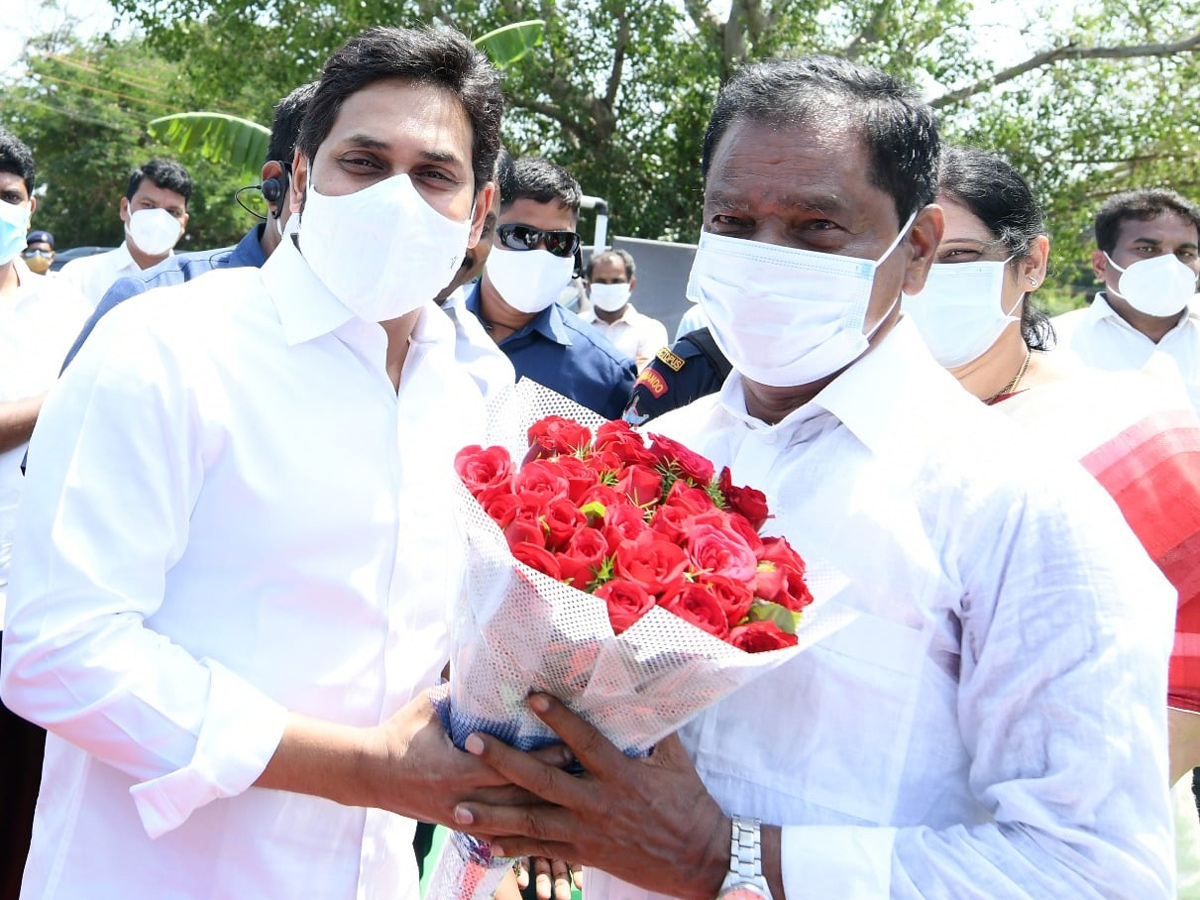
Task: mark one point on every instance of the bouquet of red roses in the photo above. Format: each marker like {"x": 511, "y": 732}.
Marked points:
{"x": 627, "y": 579}
{"x": 640, "y": 527}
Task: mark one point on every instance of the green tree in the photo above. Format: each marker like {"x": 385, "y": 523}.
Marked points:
{"x": 82, "y": 109}
{"x": 1085, "y": 102}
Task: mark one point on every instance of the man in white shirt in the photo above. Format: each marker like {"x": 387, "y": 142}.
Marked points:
{"x": 1147, "y": 258}
{"x": 154, "y": 214}
{"x": 992, "y": 723}
{"x": 610, "y": 284}
{"x": 37, "y": 318}
{"x": 236, "y": 550}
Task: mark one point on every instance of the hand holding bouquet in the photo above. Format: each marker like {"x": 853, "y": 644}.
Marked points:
{"x": 627, "y": 579}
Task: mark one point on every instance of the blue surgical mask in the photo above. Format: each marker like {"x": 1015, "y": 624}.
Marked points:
{"x": 14, "y": 226}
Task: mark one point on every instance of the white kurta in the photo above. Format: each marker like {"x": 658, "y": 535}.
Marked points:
{"x": 38, "y": 324}
{"x": 992, "y": 725}
{"x": 230, "y": 514}
{"x": 93, "y": 275}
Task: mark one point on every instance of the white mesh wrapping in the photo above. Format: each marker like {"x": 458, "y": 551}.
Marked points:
{"x": 516, "y": 631}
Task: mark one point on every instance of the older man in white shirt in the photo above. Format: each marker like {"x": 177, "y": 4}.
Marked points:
{"x": 154, "y": 214}
{"x": 235, "y": 554}
{"x": 992, "y": 724}
{"x": 1147, "y": 258}
{"x": 611, "y": 280}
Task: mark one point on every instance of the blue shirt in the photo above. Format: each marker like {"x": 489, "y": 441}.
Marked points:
{"x": 565, "y": 353}
{"x": 175, "y": 270}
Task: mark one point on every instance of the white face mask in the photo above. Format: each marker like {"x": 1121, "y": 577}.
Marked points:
{"x": 785, "y": 317}
{"x": 1159, "y": 286}
{"x": 529, "y": 280}
{"x": 382, "y": 251}
{"x": 14, "y": 225}
{"x": 609, "y": 297}
{"x": 958, "y": 311}
{"x": 153, "y": 231}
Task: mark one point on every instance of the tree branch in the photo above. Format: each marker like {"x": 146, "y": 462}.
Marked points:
{"x": 1069, "y": 51}
{"x": 553, "y": 112}
{"x": 614, "y": 75}
{"x": 870, "y": 32}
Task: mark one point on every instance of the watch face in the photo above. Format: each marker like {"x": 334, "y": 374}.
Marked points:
{"x": 743, "y": 890}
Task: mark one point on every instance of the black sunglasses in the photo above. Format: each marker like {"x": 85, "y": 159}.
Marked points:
{"x": 523, "y": 237}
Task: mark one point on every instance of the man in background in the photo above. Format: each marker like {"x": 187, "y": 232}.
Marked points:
{"x": 611, "y": 281}
{"x": 531, "y": 263}
{"x": 154, "y": 215}
{"x": 251, "y": 250}
{"x": 39, "y": 252}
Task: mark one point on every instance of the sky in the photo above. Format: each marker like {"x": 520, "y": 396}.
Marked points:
{"x": 37, "y": 17}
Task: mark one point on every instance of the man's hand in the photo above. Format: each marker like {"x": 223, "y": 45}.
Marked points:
{"x": 648, "y": 821}
{"x": 407, "y": 765}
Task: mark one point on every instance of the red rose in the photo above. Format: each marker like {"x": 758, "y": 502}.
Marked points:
{"x": 561, "y": 519}
{"x": 694, "y": 500}
{"x": 524, "y": 531}
{"x": 780, "y": 575}
{"x": 690, "y": 464}
{"x": 651, "y": 561}
{"x": 749, "y": 502}
{"x": 602, "y": 494}
{"x": 735, "y": 597}
{"x": 695, "y": 603}
{"x": 540, "y": 478}
{"x": 602, "y": 461}
{"x": 556, "y": 436}
{"x": 481, "y": 469}
{"x": 579, "y": 476}
{"x": 623, "y": 523}
{"x": 538, "y": 558}
{"x": 582, "y": 557}
{"x": 758, "y": 637}
{"x": 627, "y": 602}
{"x": 671, "y": 521}
{"x": 742, "y": 526}
{"x": 626, "y": 443}
{"x": 720, "y": 552}
{"x": 500, "y": 503}
{"x": 641, "y": 484}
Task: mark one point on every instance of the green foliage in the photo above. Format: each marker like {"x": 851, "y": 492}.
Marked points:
{"x": 620, "y": 92}
{"x": 219, "y": 138}
{"x": 82, "y": 110}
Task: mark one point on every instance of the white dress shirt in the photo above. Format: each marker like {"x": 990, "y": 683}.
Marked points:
{"x": 1102, "y": 339}
{"x": 475, "y": 350}
{"x": 94, "y": 275}
{"x": 230, "y": 514}
{"x": 38, "y": 323}
{"x": 635, "y": 334}
{"x": 992, "y": 725}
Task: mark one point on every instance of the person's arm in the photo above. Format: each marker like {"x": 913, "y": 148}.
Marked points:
{"x": 121, "y": 290}
{"x": 1061, "y": 679}
{"x": 17, "y": 418}
{"x": 106, "y": 514}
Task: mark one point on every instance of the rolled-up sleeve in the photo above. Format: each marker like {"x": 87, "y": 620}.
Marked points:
{"x": 116, "y": 465}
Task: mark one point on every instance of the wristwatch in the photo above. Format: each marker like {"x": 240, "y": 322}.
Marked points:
{"x": 745, "y": 880}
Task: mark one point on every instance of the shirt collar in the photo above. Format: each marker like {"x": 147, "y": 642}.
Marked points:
{"x": 307, "y": 309}
{"x": 1100, "y": 310}
{"x": 549, "y": 322}
{"x": 248, "y": 251}
{"x": 881, "y": 395}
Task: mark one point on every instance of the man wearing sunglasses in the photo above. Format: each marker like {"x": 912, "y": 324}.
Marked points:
{"x": 39, "y": 252}
{"x": 532, "y": 262}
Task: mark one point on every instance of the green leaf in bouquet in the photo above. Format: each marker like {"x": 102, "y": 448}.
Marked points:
{"x": 594, "y": 510}
{"x": 606, "y": 572}
{"x": 765, "y": 611}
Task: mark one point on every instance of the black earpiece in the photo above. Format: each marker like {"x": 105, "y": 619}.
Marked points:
{"x": 272, "y": 189}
